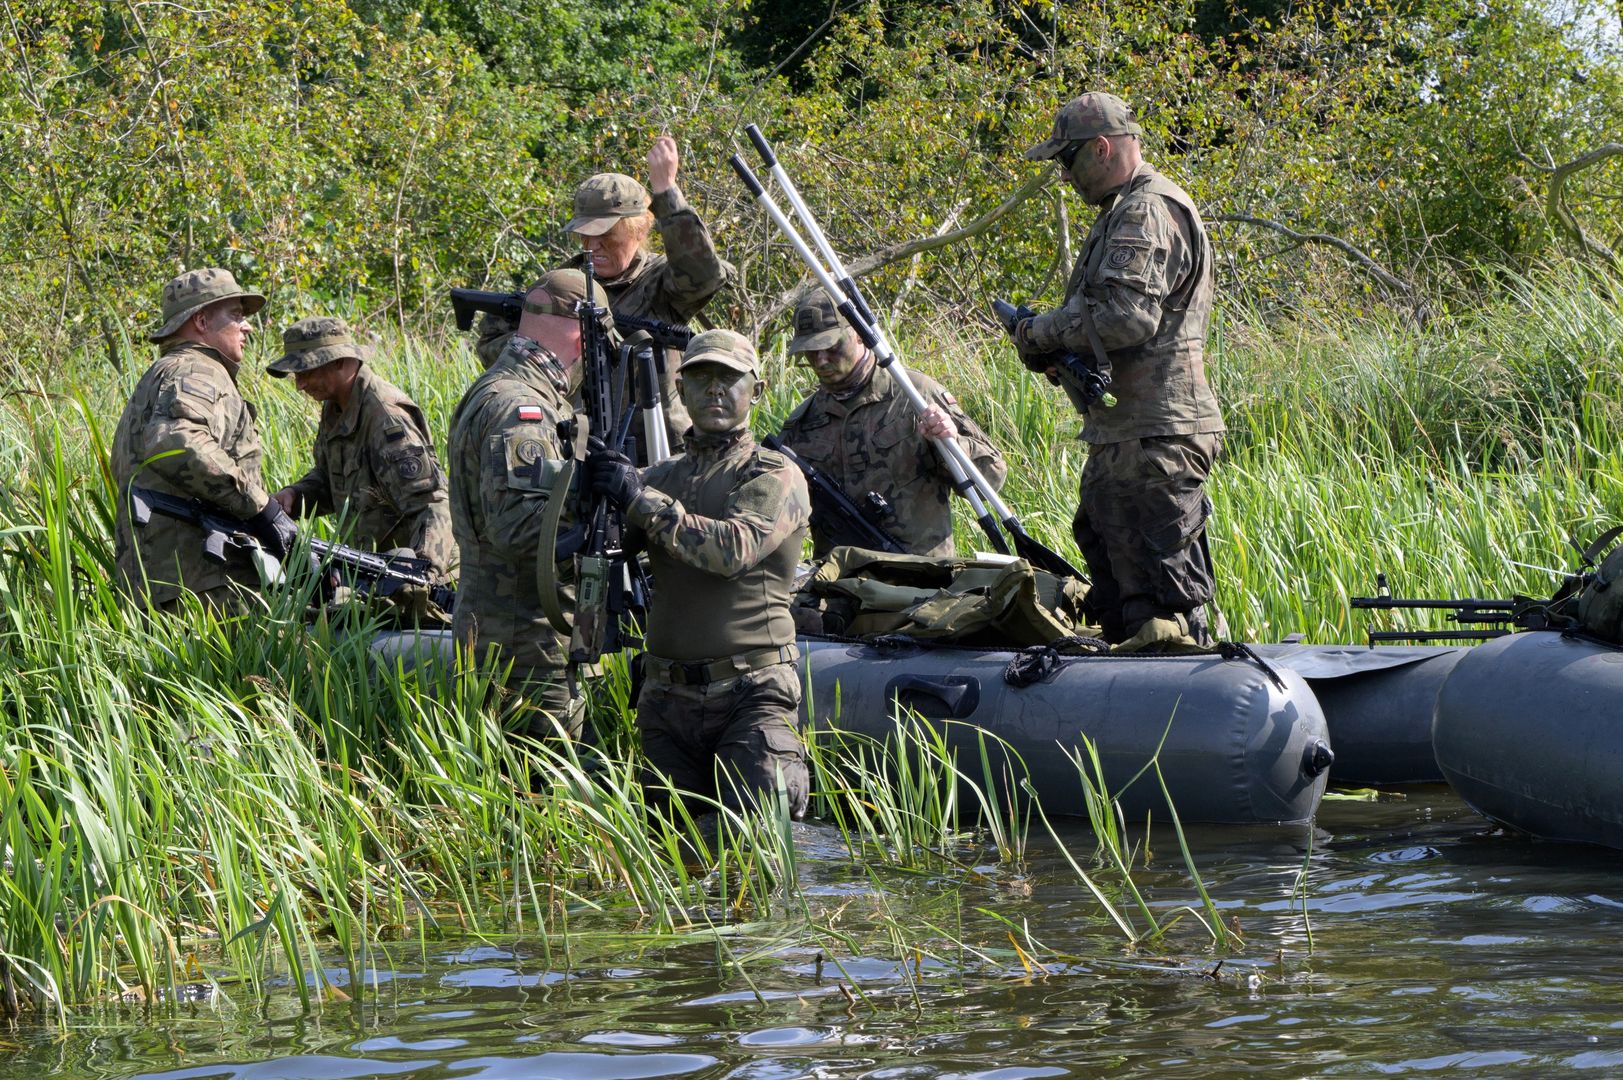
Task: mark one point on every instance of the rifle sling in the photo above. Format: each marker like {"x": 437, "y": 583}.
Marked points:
{"x": 546, "y": 566}
{"x": 1101, "y": 359}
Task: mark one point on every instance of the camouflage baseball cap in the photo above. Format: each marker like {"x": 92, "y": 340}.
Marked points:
{"x": 567, "y": 288}
{"x": 1083, "y": 118}
{"x": 817, "y": 324}
{"x": 724, "y": 347}
{"x": 195, "y": 290}
{"x": 312, "y": 343}
{"x": 604, "y": 200}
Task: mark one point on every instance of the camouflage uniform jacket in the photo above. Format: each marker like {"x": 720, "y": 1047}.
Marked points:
{"x": 672, "y": 287}
{"x": 504, "y": 454}
{"x": 1146, "y": 278}
{"x": 187, "y": 401}
{"x": 870, "y": 442}
{"x": 374, "y": 462}
{"x": 723, "y": 526}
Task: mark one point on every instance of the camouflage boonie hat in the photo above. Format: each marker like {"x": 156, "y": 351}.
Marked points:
{"x": 195, "y": 290}
{"x": 604, "y": 200}
{"x": 312, "y": 343}
{"x": 724, "y": 347}
{"x": 817, "y": 324}
{"x": 1083, "y": 118}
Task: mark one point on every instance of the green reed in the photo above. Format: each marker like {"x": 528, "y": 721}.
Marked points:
{"x": 251, "y": 796}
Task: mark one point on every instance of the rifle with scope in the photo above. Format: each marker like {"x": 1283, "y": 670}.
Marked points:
{"x": 841, "y": 517}
{"x": 1491, "y": 618}
{"x": 610, "y": 589}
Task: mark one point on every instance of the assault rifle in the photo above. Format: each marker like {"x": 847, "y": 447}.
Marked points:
{"x": 1091, "y": 382}
{"x": 842, "y": 517}
{"x": 466, "y": 303}
{"x": 610, "y": 589}
{"x": 1492, "y": 618}
{"x": 367, "y": 572}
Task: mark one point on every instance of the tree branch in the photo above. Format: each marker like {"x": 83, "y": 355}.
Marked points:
{"x": 907, "y": 249}
{"x": 1556, "y": 201}
{"x": 1369, "y": 265}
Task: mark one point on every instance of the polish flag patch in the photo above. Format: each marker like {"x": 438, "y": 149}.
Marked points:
{"x": 530, "y": 412}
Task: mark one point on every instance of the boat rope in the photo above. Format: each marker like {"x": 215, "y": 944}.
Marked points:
{"x": 1239, "y": 650}
{"x": 1038, "y": 662}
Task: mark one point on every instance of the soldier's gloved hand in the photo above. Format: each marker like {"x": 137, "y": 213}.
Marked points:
{"x": 274, "y": 529}
{"x": 611, "y": 475}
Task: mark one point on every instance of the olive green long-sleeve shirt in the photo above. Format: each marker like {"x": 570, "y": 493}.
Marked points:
{"x": 723, "y": 525}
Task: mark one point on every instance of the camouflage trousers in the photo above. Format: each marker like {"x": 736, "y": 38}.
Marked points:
{"x": 220, "y": 601}
{"x": 727, "y": 740}
{"x": 1141, "y": 528}
{"x": 546, "y": 705}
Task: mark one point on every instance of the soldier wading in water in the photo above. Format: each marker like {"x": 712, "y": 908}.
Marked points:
{"x": 722, "y": 525}
{"x": 187, "y": 431}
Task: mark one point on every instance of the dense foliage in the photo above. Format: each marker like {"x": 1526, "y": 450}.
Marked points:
{"x": 368, "y": 153}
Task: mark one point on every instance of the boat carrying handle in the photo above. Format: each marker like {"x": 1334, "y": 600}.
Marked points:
{"x": 952, "y": 697}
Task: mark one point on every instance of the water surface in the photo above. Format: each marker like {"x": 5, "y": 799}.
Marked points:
{"x": 1431, "y": 943}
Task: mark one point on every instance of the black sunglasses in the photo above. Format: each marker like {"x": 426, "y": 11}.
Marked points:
{"x": 1067, "y": 156}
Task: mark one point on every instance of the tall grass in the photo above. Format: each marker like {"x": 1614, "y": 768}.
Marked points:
{"x": 263, "y": 793}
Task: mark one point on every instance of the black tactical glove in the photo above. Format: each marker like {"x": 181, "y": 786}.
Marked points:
{"x": 611, "y": 475}
{"x": 274, "y": 529}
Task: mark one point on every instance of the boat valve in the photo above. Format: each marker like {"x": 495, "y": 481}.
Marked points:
{"x": 1316, "y": 758}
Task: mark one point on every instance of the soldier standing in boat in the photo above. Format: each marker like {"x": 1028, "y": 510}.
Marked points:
{"x": 860, "y": 430}
{"x": 187, "y": 431}
{"x": 1141, "y": 293}
{"x": 723, "y": 525}
{"x": 614, "y": 216}
{"x": 504, "y": 455}
{"x": 374, "y": 459}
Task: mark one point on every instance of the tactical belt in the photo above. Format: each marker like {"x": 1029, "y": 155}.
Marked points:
{"x": 699, "y": 673}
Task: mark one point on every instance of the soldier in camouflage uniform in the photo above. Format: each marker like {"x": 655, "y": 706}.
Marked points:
{"x": 187, "y": 431}
{"x": 859, "y": 429}
{"x": 613, "y": 218}
{"x": 504, "y": 455}
{"x": 723, "y": 525}
{"x": 374, "y": 460}
{"x": 1143, "y": 283}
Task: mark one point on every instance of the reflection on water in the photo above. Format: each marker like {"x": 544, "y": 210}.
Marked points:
{"x": 1437, "y": 945}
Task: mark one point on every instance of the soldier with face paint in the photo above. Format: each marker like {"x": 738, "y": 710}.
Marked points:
{"x": 723, "y": 525}
{"x": 1142, "y": 288}
{"x": 505, "y": 454}
{"x": 187, "y": 431}
{"x": 859, "y": 430}
{"x": 374, "y": 460}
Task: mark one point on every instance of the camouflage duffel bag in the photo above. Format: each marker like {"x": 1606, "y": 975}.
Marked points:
{"x": 854, "y": 592}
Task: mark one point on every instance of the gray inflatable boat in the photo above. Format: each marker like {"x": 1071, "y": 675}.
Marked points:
{"x": 1378, "y": 702}
{"x": 1529, "y": 731}
{"x": 1240, "y": 741}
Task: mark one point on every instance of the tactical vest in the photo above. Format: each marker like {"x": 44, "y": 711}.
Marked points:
{"x": 1160, "y": 385}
